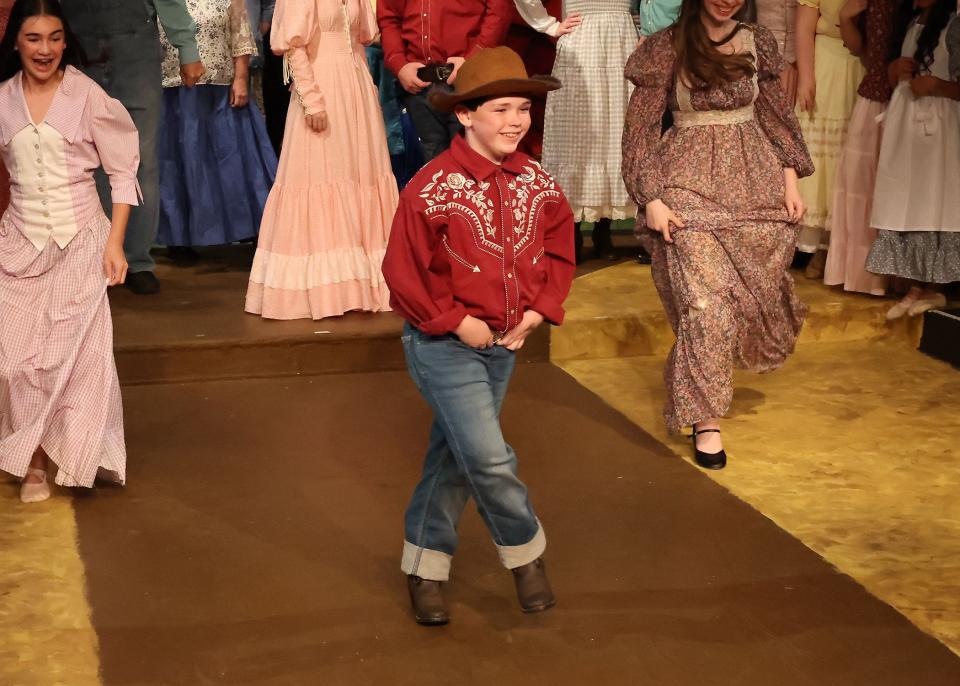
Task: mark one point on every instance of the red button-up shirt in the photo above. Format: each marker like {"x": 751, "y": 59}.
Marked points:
{"x": 430, "y": 31}
{"x": 472, "y": 237}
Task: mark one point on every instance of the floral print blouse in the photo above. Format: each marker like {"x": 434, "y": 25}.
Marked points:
{"x": 223, "y": 32}
{"x": 652, "y": 68}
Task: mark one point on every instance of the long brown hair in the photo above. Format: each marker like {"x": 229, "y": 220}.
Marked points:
{"x": 699, "y": 62}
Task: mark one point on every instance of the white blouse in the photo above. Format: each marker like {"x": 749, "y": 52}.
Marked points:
{"x": 536, "y": 15}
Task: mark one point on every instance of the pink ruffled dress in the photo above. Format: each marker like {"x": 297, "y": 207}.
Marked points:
{"x": 328, "y": 216}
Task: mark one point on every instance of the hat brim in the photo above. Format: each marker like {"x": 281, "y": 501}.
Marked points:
{"x": 534, "y": 86}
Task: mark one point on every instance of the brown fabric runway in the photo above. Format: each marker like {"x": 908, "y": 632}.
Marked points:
{"x": 258, "y": 542}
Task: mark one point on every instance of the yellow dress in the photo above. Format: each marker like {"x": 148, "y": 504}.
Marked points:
{"x": 838, "y": 74}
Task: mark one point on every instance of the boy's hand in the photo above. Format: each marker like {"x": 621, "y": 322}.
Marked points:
{"x": 515, "y": 337}
{"x": 457, "y": 62}
{"x": 474, "y": 333}
{"x": 407, "y": 76}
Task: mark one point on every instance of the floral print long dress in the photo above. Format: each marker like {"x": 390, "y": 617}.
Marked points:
{"x": 723, "y": 281}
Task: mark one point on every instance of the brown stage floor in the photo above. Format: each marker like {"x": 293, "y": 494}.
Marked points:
{"x": 258, "y": 543}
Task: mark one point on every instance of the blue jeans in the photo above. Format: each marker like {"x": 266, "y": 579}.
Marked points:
{"x": 467, "y": 455}
{"x": 122, "y": 42}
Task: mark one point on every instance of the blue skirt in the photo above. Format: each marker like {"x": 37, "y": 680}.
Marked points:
{"x": 216, "y": 167}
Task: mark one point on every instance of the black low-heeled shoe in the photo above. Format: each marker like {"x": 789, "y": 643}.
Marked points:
{"x": 708, "y": 460}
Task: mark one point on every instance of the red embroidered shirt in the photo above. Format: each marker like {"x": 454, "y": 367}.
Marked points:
{"x": 430, "y": 31}
{"x": 471, "y": 237}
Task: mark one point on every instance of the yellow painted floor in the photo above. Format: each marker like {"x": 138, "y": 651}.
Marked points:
{"x": 852, "y": 448}
{"x": 47, "y": 636}
{"x": 615, "y": 312}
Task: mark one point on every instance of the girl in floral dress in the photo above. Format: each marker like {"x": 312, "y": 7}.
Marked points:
{"x": 721, "y": 197}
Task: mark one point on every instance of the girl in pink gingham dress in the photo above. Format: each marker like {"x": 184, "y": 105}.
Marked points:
{"x": 59, "y": 394}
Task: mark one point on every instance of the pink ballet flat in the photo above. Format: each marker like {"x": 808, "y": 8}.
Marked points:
{"x": 901, "y": 308}
{"x": 34, "y": 492}
{"x": 921, "y": 305}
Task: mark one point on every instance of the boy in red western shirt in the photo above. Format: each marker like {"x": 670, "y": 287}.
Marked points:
{"x": 425, "y": 42}
{"x": 480, "y": 254}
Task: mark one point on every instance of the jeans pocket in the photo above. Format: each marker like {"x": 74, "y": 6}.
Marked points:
{"x": 410, "y": 355}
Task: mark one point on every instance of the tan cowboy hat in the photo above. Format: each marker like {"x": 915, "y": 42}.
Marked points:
{"x": 490, "y": 73}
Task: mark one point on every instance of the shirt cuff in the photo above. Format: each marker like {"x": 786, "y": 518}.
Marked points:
{"x": 189, "y": 53}
{"x": 444, "y": 323}
{"x": 552, "y": 312}
{"x": 126, "y": 192}
{"x": 395, "y": 62}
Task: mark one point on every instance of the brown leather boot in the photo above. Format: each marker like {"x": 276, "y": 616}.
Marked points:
{"x": 533, "y": 589}
{"x": 426, "y": 599}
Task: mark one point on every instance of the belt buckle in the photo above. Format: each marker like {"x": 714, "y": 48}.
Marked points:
{"x": 443, "y": 72}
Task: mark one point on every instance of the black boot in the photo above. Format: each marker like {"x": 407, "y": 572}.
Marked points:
{"x": 603, "y": 241}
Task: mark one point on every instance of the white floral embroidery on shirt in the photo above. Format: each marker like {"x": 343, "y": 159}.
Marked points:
{"x": 453, "y": 193}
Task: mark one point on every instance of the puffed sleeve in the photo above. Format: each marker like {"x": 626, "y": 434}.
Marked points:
{"x": 242, "y": 41}
{"x": 651, "y": 69}
{"x": 536, "y": 15}
{"x": 772, "y": 110}
{"x": 294, "y": 25}
{"x": 118, "y": 146}
{"x": 417, "y": 273}
{"x": 368, "y": 22}
{"x": 560, "y": 265}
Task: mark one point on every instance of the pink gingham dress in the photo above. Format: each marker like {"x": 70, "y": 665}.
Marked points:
{"x": 58, "y": 379}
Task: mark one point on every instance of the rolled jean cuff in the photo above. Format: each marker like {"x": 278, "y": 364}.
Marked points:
{"x": 425, "y": 563}
{"x": 513, "y": 556}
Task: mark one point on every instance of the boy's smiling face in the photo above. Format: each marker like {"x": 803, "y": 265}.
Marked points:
{"x": 496, "y": 127}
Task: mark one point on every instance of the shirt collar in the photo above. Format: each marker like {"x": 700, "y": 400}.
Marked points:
{"x": 65, "y": 111}
{"x": 478, "y": 166}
